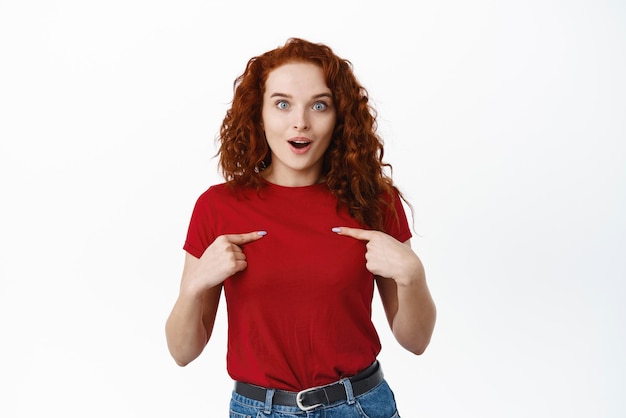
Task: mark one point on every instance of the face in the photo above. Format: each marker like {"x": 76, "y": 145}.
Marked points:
{"x": 298, "y": 118}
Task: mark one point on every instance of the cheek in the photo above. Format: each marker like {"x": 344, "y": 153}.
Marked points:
{"x": 268, "y": 117}
{"x": 272, "y": 119}
{"x": 264, "y": 118}
{"x": 268, "y": 124}
{"x": 330, "y": 126}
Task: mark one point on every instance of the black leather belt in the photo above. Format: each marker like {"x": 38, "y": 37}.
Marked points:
{"x": 311, "y": 398}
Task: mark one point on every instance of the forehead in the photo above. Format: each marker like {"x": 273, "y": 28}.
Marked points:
{"x": 296, "y": 77}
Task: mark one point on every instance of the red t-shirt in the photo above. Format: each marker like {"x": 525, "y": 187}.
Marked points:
{"x": 300, "y": 314}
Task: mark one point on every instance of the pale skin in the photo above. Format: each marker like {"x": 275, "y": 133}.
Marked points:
{"x": 190, "y": 324}
{"x": 401, "y": 282}
{"x": 298, "y": 118}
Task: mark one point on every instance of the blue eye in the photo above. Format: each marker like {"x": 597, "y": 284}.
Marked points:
{"x": 282, "y": 105}
{"x": 319, "y": 106}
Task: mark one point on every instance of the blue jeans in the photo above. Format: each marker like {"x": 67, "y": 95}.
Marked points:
{"x": 377, "y": 403}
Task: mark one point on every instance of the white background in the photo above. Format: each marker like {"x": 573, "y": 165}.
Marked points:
{"x": 505, "y": 123}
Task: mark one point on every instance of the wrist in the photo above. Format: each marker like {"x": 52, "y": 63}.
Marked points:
{"x": 192, "y": 290}
{"x": 411, "y": 276}
{"x": 408, "y": 282}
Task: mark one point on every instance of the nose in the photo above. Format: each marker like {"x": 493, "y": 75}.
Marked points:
{"x": 301, "y": 122}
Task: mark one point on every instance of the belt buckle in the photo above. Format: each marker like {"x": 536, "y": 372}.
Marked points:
{"x": 301, "y": 394}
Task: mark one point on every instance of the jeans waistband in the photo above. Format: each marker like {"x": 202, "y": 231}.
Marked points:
{"x": 311, "y": 398}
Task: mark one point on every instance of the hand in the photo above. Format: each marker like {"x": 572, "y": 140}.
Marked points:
{"x": 223, "y": 258}
{"x": 386, "y": 256}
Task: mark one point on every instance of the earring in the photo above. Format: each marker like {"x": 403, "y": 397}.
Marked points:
{"x": 260, "y": 166}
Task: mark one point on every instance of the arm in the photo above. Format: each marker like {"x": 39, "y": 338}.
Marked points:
{"x": 408, "y": 305}
{"x": 401, "y": 281}
{"x": 190, "y": 323}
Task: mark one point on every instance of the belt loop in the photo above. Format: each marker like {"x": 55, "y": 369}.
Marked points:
{"x": 347, "y": 385}
{"x": 269, "y": 395}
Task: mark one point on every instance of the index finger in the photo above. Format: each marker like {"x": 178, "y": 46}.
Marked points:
{"x": 241, "y": 239}
{"x": 360, "y": 234}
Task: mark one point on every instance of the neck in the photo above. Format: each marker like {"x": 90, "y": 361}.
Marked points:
{"x": 300, "y": 180}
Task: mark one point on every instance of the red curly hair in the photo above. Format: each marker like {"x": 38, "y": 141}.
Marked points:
{"x": 353, "y": 163}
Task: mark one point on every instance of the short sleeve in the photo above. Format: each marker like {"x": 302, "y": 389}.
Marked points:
{"x": 200, "y": 233}
{"x": 397, "y": 224}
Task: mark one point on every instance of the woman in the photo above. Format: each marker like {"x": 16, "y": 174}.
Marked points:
{"x": 303, "y": 226}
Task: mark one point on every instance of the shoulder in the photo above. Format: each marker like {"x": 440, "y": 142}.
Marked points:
{"x": 223, "y": 194}
{"x": 392, "y": 200}
{"x": 396, "y": 222}
{"x": 216, "y": 191}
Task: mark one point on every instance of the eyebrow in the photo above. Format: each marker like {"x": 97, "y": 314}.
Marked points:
{"x": 317, "y": 96}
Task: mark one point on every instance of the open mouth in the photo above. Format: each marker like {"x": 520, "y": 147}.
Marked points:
{"x": 299, "y": 144}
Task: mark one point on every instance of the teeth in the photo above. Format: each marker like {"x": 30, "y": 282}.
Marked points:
{"x": 299, "y": 144}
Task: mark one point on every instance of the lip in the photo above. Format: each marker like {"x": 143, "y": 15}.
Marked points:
{"x": 299, "y": 149}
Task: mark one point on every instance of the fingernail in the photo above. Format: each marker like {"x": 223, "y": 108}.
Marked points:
{"x": 336, "y": 229}
{"x": 262, "y": 233}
